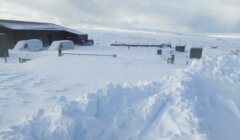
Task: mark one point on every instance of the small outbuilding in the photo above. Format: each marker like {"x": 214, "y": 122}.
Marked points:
{"x": 46, "y": 32}
{"x": 196, "y": 53}
{"x": 180, "y": 48}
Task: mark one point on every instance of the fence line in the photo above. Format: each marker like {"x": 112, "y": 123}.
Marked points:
{"x": 110, "y": 55}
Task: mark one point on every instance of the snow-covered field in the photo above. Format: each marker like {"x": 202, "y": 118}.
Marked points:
{"x": 136, "y": 95}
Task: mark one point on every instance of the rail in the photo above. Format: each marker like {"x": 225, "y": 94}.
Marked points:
{"x": 111, "y": 55}
{"x": 142, "y": 45}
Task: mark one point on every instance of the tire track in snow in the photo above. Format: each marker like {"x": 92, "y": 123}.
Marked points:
{"x": 166, "y": 102}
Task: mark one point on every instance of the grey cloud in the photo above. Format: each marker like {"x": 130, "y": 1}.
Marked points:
{"x": 171, "y": 15}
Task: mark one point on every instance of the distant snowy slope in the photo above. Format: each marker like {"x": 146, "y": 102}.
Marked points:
{"x": 199, "y": 102}
{"x": 105, "y": 38}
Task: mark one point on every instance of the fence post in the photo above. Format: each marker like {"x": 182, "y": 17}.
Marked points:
{"x": 5, "y": 55}
{"x": 173, "y": 59}
{"x": 60, "y": 51}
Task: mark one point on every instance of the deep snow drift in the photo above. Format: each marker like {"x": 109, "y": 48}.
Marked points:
{"x": 199, "y": 102}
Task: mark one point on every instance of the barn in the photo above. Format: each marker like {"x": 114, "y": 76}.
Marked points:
{"x": 46, "y": 32}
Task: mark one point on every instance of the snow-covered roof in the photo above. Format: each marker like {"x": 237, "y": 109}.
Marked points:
{"x": 25, "y": 25}
{"x": 21, "y": 25}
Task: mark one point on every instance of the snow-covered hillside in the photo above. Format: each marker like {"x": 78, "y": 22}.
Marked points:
{"x": 134, "y": 96}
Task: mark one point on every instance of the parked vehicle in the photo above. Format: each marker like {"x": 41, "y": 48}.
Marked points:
{"x": 29, "y": 45}
{"x": 61, "y": 44}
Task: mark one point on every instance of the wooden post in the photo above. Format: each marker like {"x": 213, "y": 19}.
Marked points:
{"x": 173, "y": 59}
{"x": 5, "y": 55}
{"x": 60, "y": 51}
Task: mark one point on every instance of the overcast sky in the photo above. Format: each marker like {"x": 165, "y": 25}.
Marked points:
{"x": 166, "y": 15}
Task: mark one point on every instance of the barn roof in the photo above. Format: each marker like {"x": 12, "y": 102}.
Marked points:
{"x": 26, "y": 25}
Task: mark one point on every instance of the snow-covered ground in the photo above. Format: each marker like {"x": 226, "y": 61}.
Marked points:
{"x": 136, "y": 95}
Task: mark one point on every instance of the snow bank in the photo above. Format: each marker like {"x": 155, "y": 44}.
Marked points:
{"x": 200, "y": 102}
{"x": 29, "y": 45}
{"x": 113, "y": 112}
{"x": 64, "y": 44}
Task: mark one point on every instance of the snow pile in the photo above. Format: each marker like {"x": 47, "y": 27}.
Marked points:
{"x": 114, "y": 112}
{"x": 223, "y": 68}
{"x": 200, "y": 102}
{"x": 29, "y": 45}
{"x": 64, "y": 44}
{"x": 214, "y": 91}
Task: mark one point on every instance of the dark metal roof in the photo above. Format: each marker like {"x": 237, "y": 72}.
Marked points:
{"x": 26, "y": 25}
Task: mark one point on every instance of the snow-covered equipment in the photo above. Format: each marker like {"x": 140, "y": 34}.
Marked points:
{"x": 22, "y": 60}
{"x": 171, "y": 60}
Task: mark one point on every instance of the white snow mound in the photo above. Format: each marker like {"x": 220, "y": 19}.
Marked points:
{"x": 200, "y": 102}
{"x": 29, "y": 45}
{"x": 64, "y": 44}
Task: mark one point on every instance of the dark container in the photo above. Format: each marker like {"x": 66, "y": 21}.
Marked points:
{"x": 159, "y": 52}
{"x": 196, "y": 53}
{"x": 180, "y": 48}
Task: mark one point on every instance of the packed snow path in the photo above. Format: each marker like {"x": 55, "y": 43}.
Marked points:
{"x": 200, "y": 102}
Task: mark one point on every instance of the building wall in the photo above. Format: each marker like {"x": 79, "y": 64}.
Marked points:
{"x": 3, "y": 46}
{"x": 46, "y": 36}
{"x": 10, "y": 36}
{"x": 76, "y": 38}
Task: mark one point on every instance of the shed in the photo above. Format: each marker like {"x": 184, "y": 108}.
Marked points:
{"x": 196, "y": 53}
{"x": 180, "y": 48}
{"x": 46, "y": 32}
{"x": 3, "y": 45}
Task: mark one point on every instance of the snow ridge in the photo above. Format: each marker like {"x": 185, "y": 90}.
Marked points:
{"x": 191, "y": 104}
